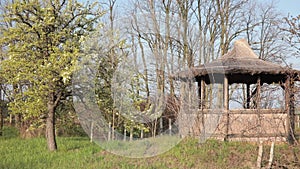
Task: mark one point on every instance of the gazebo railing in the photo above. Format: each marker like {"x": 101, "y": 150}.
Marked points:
{"x": 243, "y": 111}
{"x": 241, "y": 123}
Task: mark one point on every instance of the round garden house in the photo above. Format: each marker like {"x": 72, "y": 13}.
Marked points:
{"x": 242, "y": 66}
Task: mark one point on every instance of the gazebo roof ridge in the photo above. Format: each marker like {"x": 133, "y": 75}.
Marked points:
{"x": 241, "y": 49}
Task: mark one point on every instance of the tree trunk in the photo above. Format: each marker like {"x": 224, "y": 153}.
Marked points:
{"x": 50, "y": 127}
{"x": 290, "y": 110}
{"x": 18, "y": 121}
{"x": 1, "y": 121}
{"x": 1, "y": 113}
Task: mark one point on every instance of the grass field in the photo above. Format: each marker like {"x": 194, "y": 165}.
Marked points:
{"x": 78, "y": 152}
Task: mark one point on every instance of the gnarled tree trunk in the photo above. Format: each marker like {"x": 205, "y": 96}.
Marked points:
{"x": 50, "y": 121}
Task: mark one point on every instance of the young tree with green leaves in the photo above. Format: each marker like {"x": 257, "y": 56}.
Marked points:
{"x": 43, "y": 46}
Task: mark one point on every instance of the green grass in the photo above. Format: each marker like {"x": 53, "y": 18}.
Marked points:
{"x": 141, "y": 148}
{"x": 78, "y": 152}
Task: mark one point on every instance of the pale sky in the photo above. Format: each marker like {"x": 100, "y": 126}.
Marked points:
{"x": 289, "y": 6}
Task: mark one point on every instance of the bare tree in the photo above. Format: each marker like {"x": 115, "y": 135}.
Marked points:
{"x": 293, "y": 29}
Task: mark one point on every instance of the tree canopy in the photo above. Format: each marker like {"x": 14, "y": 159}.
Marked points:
{"x": 42, "y": 46}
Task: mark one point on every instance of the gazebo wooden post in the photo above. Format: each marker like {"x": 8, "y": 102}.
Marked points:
{"x": 202, "y": 106}
{"x": 226, "y": 105}
{"x": 257, "y": 106}
{"x": 199, "y": 93}
{"x": 258, "y": 91}
{"x": 290, "y": 110}
{"x": 248, "y": 96}
{"x": 202, "y": 94}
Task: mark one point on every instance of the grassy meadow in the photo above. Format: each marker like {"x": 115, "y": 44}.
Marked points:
{"x": 78, "y": 152}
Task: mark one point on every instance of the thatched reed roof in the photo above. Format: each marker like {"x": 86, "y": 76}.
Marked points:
{"x": 241, "y": 65}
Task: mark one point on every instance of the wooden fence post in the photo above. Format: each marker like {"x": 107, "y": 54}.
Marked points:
{"x": 109, "y": 131}
{"x": 124, "y": 139}
{"x": 170, "y": 127}
{"x": 271, "y": 155}
{"x": 142, "y": 133}
{"x": 260, "y": 154}
{"x": 161, "y": 125}
{"x": 131, "y": 133}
